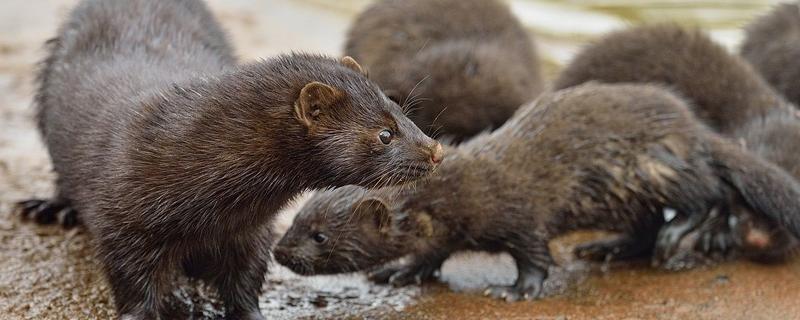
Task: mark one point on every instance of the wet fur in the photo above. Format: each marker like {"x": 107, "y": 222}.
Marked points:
{"x": 607, "y": 157}
{"x": 178, "y": 158}
{"x": 727, "y": 94}
{"x": 460, "y": 67}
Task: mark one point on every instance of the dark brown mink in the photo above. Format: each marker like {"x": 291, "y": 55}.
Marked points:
{"x": 727, "y": 94}
{"x": 177, "y": 158}
{"x": 724, "y": 89}
{"x": 772, "y": 46}
{"x": 461, "y": 66}
{"x": 597, "y": 156}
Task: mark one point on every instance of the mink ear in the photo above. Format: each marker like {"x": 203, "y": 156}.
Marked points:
{"x": 376, "y": 212}
{"x": 351, "y": 63}
{"x": 314, "y": 98}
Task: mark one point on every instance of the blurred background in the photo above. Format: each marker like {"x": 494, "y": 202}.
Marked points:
{"x": 47, "y": 273}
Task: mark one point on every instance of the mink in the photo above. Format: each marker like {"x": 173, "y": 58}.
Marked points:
{"x": 772, "y": 46}
{"x": 729, "y": 96}
{"x": 461, "y": 66}
{"x": 596, "y": 156}
{"x": 176, "y": 158}
{"x": 724, "y": 89}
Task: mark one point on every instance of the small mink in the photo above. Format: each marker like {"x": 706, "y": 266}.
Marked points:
{"x": 597, "y": 156}
{"x": 177, "y": 159}
{"x": 461, "y": 66}
{"x": 728, "y": 95}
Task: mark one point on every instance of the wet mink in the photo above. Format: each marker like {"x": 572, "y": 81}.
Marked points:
{"x": 772, "y": 46}
{"x": 462, "y": 66}
{"x": 597, "y": 156}
{"x": 731, "y": 97}
{"x": 176, "y": 158}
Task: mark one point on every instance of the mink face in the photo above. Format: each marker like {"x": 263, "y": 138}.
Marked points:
{"x": 369, "y": 141}
{"x": 340, "y": 231}
{"x": 351, "y": 229}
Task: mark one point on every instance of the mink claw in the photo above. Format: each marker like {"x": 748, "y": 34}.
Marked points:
{"x": 509, "y": 293}
{"x": 48, "y": 212}
{"x": 527, "y": 288}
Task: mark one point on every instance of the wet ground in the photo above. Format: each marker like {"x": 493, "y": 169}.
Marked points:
{"x": 49, "y": 273}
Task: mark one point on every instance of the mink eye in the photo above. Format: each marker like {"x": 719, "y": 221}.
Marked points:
{"x": 319, "y": 237}
{"x": 386, "y": 136}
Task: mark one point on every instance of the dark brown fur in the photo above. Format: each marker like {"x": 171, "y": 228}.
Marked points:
{"x": 597, "y": 156}
{"x": 461, "y": 66}
{"x": 724, "y": 90}
{"x": 178, "y": 159}
{"x": 772, "y": 46}
{"x": 727, "y": 93}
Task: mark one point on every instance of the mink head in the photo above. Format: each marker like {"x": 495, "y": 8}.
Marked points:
{"x": 343, "y": 230}
{"x": 459, "y": 89}
{"x": 364, "y": 136}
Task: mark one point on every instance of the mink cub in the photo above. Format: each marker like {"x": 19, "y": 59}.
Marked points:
{"x": 460, "y": 66}
{"x": 596, "y": 156}
{"x": 177, "y": 159}
{"x": 772, "y": 46}
{"x": 731, "y": 97}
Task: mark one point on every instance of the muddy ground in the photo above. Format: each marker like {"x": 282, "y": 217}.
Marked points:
{"x": 49, "y": 273}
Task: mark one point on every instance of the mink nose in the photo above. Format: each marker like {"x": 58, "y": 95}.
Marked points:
{"x": 437, "y": 153}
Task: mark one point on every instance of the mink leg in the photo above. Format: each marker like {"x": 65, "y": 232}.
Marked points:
{"x": 242, "y": 270}
{"x": 420, "y": 269}
{"x": 136, "y": 281}
{"x": 533, "y": 260}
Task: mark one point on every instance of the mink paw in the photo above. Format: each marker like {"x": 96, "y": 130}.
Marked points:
{"x": 513, "y": 293}
{"x": 400, "y": 276}
{"x": 48, "y": 212}
{"x": 688, "y": 243}
{"x": 528, "y": 287}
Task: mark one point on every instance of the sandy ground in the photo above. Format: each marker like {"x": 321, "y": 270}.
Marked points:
{"x": 49, "y": 273}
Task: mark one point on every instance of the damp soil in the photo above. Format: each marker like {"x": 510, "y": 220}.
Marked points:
{"x": 50, "y": 273}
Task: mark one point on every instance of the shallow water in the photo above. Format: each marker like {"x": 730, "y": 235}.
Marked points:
{"x": 48, "y": 273}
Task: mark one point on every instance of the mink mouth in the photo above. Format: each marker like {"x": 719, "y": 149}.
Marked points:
{"x": 305, "y": 267}
{"x": 296, "y": 264}
{"x": 402, "y": 174}
{"x": 415, "y": 170}
{"x": 299, "y": 267}
{"x": 408, "y": 172}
